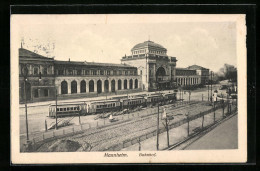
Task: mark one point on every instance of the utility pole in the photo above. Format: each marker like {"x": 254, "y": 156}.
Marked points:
{"x": 25, "y": 103}
{"x": 79, "y": 116}
{"x": 211, "y": 87}
{"x": 56, "y": 100}
{"x": 214, "y": 111}
{"x": 208, "y": 91}
{"x": 157, "y": 142}
{"x": 202, "y": 121}
{"x": 25, "y": 74}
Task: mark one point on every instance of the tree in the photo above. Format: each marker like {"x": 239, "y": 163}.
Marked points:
{"x": 228, "y": 72}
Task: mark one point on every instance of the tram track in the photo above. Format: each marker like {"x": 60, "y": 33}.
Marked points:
{"x": 100, "y": 138}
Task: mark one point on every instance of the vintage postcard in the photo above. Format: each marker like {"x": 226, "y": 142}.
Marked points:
{"x": 128, "y": 88}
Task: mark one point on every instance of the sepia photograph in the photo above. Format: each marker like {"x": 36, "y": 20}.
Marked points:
{"x": 128, "y": 88}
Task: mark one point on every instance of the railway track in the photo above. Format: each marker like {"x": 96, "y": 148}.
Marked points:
{"x": 101, "y": 138}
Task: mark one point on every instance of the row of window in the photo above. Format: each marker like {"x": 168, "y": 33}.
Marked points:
{"x": 67, "y": 109}
{"x": 106, "y": 106}
{"x": 150, "y": 51}
{"x": 94, "y": 72}
{"x": 45, "y": 93}
{"x": 37, "y": 71}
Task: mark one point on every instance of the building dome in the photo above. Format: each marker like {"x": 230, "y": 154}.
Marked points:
{"x": 148, "y": 44}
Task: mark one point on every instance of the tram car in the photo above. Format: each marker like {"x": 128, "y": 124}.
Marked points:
{"x": 132, "y": 102}
{"x": 64, "y": 110}
{"x": 113, "y": 104}
{"x": 103, "y": 106}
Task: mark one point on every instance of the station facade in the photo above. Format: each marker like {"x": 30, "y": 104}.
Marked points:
{"x": 73, "y": 79}
{"x": 148, "y": 68}
{"x": 156, "y": 68}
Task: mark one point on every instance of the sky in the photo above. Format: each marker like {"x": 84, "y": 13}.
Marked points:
{"x": 210, "y": 42}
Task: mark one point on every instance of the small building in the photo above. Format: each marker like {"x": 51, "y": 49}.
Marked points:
{"x": 202, "y": 72}
{"x": 187, "y": 77}
{"x": 40, "y": 84}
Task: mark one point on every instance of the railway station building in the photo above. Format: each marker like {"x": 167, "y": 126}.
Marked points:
{"x": 156, "y": 68}
{"x": 73, "y": 79}
{"x": 148, "y": 68}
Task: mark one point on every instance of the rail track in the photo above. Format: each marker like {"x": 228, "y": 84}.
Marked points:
{"x": 101, "y": 138}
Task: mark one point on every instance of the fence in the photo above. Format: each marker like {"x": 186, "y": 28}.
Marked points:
{"x": 143, "y": 137}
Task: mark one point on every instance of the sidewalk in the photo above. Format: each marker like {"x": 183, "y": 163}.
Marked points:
{"x": 175, "y": 135}
{"x": 225, "y": 136}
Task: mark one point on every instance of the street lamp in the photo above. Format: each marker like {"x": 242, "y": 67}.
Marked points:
{"x": 188, "y": 121}
{"x": 167, "y": 119}
{"x": 25, "y": 75}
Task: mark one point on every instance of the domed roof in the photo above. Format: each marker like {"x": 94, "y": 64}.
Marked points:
{"x": 148, "y": 44}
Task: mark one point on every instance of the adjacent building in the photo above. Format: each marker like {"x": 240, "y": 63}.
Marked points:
{"x": 202, "y": 72}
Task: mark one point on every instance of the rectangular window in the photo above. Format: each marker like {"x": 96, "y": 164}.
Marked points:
{"x": 108, "y": 72}
{"x": 101, "y": 72}
{"x": 46, "y": 92}
{"x": 86, "y": 72}
{"x": 45, "y": 71}
{"x": 94, "y": 72}
{"x": 36, "y": 94}
{"x": 60, "y": 72}
{"x": 70, "y": 72}
{"x": 120, "y": 72}
{"x": 35, "y": 71}
{"x": 78, "y": 72}
{"x": 126, "y": 72}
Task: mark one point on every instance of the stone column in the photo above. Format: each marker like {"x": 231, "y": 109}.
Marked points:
{"x": 69, "y": 86}
{"x": 78, "y": 87}
{"x": 109, "y": 85}
{"x": 87, "y": 86}
{"x": 103, "y": 86}
{"x": 116, "y": 85}
{"x": 95, "y": 86}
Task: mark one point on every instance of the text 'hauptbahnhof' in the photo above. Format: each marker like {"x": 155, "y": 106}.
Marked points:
{"x": 148, "y": 68}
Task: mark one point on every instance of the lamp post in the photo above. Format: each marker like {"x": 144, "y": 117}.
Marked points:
{"x": 56, "y": 106}
{"x": 211, "y": 86}
{"x": 25, "y": 74}
{"x": 166, "y": 119}
{"x": 188, "y": 121}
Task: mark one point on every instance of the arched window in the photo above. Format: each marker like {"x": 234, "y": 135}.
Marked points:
{"x": 106, "y": 86}
{"x": 99, "y": 86}
{"x": 73, "y": 87}
{"x": 113, "y": 86}
{"x": 131, "y": 84}
{"x": 91, "y": 86}
{"x": 83, "y": 86}
{"x": 64, "y": 87}
{"x": 136, "y": 83}
{"x": 119, "y": 85}
{"x": 125, "y": 84}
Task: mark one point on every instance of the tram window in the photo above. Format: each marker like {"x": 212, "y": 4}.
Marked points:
{"x": 65, "y": 109}
{"x": 61, "y": 109}
{"x": 68, "y": 108}
{"x": 71, "y": 108}
{"x": 75, "y": 108}
{"x": 58, "y": 109}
